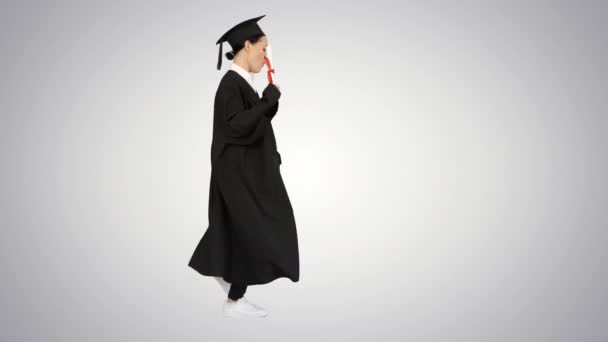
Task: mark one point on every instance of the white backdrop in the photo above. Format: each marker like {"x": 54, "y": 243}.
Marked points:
{"x": 446, "y": 162}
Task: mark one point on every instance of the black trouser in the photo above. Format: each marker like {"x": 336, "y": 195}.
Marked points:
{"x": 236, "y": 291}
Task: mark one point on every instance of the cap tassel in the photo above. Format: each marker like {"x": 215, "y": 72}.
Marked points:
{"x": 219, "y": 57}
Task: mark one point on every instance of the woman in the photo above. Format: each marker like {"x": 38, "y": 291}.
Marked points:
{"x": 251, "y": 238}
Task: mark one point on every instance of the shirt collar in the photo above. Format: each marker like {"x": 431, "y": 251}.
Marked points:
{"x": 246, "y": 75}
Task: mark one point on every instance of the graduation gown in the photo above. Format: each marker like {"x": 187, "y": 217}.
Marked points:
{"x": 251, "y": 238}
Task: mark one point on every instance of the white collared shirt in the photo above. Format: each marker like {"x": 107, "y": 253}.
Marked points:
{"x": 246, "y": 74}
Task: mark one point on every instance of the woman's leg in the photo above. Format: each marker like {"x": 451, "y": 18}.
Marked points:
{"x": 224, "y": 284}
{"x": 236, "y": 291}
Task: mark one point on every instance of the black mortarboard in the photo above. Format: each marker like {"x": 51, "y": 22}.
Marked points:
{"x": 239, "y": 34}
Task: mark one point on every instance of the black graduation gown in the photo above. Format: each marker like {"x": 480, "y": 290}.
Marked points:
{"x": 251, "y": 238}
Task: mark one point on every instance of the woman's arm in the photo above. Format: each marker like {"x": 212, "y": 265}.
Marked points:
{"x": 245, "y": 126}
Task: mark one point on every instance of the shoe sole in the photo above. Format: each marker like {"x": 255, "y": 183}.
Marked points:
{"x": 242, "y": 315}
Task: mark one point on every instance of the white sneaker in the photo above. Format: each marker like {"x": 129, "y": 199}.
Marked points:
{"x": 243, "y": 308}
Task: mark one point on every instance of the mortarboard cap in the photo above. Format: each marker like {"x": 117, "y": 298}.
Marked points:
{"x": 239, "y": 34}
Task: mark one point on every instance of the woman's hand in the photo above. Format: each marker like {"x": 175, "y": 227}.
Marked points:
{"x": 271, "y": 92}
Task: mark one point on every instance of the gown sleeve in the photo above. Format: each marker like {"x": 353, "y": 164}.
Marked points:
{"x": 245, "y": 126}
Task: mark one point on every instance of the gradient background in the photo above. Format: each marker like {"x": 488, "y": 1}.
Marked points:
{"x": 446, "y": 162}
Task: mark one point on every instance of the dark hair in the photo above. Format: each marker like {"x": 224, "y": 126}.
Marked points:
{"x": 253, "y": 39}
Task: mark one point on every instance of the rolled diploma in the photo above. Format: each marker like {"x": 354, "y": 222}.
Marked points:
{"x": 269, "y": 56}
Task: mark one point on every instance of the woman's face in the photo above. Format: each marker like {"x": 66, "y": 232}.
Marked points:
{"x": 256, "y": 54}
